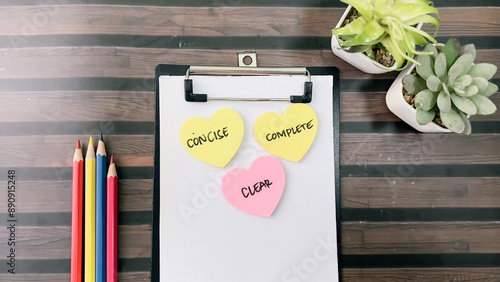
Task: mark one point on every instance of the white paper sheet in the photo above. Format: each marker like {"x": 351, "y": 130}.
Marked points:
{"x": 203, "y": 238}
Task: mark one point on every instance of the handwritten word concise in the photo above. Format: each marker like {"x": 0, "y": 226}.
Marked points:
{"x": 290, "y": 131}
{"x": 256, "y": 188}
{"x": 211, "y": 136}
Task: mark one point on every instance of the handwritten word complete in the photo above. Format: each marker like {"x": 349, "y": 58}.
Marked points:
{"x": 289, "y": 131}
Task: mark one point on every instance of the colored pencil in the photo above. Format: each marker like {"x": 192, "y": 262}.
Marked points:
{"x": 100, "y": 217}
{"x": 90, "y": 213}
{"x": 112, "y": 223}
{"x": 77, "y": 216}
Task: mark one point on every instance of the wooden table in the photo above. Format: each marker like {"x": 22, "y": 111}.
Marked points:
{"x": 414, "y": 206}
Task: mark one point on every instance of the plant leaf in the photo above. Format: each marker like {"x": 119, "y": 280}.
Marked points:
{"x": 421, "y": 2}
{"x": 364, "y": 7}
{"x": 359, "y": 49}
{"x": 465, "y": 61}
{"x": 408, "y": 11}
{"x": 425, "y": 99}
{"x": 464, "y": 104}
{"x": 453, "y": 121}
{"x": 401, "y": 43}
{"x": 490, "y": 90}
{"x": 470, "y": 90}
{"x": 469, "y": 49}
{"x": 454, "y": 72}
{"x": 370, "y": 35}
{"x": 425, "y": 69}
{"x": 440, "y": 67}
{"x": 446, "y": 89}
{"x": 419, "y": 31}
{"x": 354, "y": 27}
{"x": 434, "y": 83}
{"x": 484, "y": 70}
{"x": 424, "y": 117}
{"x": 480, "y": 82}
{"x": 468, "y": 127}
{"x": 444, "y": 101}
{"x": 394, "y": 51}
{"x": 414, "y": 83}
{"x": 424, "y": 19}
{"x": 462, "y": 81}
{"x": 484, "y": 105}
{"x": 459, "y": 91}
{"x": 417, "y": 38}
{"x": 431, "y": 48}
{"x": 451, "y": 50}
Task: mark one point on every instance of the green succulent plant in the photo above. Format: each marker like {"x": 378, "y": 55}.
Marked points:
{"x": 390, "y": 23}
{"x": 448, "y": 81}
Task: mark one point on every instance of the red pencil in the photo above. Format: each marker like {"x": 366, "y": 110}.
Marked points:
{"x": 77, "y": 213}
{"x": 112, "y": 224}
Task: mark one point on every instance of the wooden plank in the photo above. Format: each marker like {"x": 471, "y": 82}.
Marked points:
{"x": 169, "y": 21}
{"x": 42, "y": 277}
{"x": 78, "y": 106}
{"x": 134, "y": 241}
{"x": 49, "y": 150}
{"x": 65, "y": 277}
{"x": 55, "y": 196}
{"x": 348, "y": 274}
{"x": 364, "y": 106}
{"x": 468, "y": 21}
{"x": 420, "y": 192}
{"x": 437, "y": 274}
{"x": 357, "y": 238}
{"x": 61, "y": 62}
{"x": 136, "y": 195}
{"x": 371, "y": 106}
{"x": 139, "y": 106}
{"x": 414, "y": 149}
{"x": 134, "y": 276}
{"x": 220, "y": 21}
{"x": 420, "y": 237}
{"x": 54, "y": 242}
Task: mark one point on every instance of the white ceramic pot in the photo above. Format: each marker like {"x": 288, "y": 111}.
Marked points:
{"x": 358, "y": 60}
{"x": 397, "y": 104}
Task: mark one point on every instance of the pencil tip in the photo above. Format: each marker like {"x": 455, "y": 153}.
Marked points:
{"x": 90, "y": 141}
{"x": 78, "y": 144}
{"x": 112, "y": 159}
{"x": 101, "y": 138}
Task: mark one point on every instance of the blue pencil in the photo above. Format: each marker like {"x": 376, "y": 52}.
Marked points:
{"x": 100, "y": 238}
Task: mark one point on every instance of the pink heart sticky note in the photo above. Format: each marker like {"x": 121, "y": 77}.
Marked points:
{"x": 258, "y": 190}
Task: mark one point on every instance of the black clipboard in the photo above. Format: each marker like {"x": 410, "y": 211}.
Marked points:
{"x": 184, "y": 71}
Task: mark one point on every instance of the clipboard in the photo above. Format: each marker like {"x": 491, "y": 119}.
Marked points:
{"x": 199, "y": 236}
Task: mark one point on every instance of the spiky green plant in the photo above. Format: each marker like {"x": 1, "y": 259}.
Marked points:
{"x": 391, "y": 24}
{"x": 448, "y": 81}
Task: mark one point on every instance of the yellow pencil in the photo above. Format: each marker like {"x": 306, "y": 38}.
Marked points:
{"x": 90, "y": 213}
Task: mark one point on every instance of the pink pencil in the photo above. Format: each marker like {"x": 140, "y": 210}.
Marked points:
{"x": 77, "y": 213}
{"x": 112, "y": 224}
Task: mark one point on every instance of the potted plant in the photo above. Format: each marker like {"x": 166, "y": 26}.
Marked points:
{"x": 391, "y": 26}
{"x": 447, "y": 87}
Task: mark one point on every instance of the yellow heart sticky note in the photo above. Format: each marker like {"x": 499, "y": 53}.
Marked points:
{"x": 213, "y": 141}
{"x": 288, "y": 136}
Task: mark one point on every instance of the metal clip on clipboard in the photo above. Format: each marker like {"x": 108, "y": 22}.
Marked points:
{"x": 246, "y": 70}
